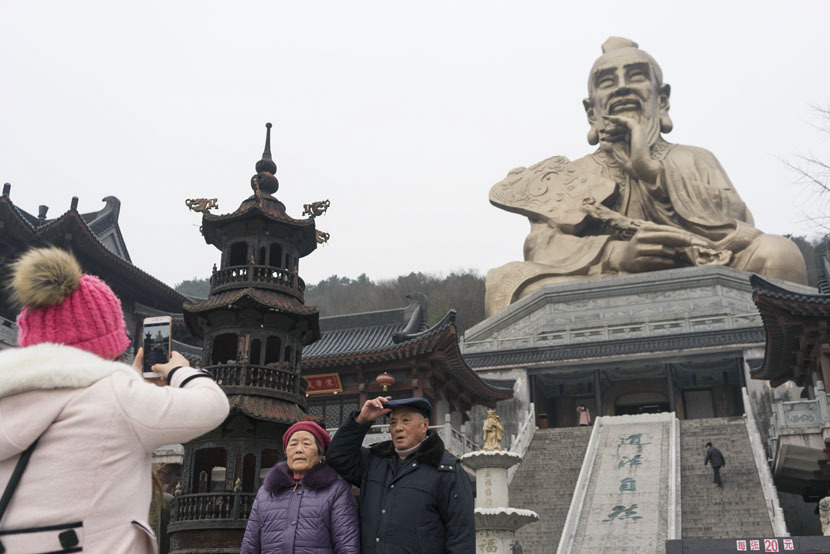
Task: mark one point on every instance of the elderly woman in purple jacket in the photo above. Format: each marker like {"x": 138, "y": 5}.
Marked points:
{"x": 303, "y": 507}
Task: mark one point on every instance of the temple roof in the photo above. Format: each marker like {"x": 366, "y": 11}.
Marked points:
{"x": 370, "y": 332}
{"x": 102, "y": 223}
{"x": 96, "y": 239}
{"x": 392, "y": 335}
{"x": 794, "y": 322}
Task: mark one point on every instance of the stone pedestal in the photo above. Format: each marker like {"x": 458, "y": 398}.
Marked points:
{"x": 496, "y": 523}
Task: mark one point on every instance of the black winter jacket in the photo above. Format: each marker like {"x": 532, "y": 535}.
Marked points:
{"x": 424, "y": 508}
{"x": 713, "y": 455}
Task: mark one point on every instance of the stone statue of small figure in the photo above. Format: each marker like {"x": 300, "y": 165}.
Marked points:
{"x": 492, "y": 431}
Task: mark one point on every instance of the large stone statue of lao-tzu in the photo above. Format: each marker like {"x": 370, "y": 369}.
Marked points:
{"x": 636, "y": 204}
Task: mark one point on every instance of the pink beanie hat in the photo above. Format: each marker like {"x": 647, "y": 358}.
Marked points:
{"x": 89, "y": 317}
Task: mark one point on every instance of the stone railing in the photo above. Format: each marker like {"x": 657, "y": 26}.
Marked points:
{"x": 455, "y": 441}
{"x": 259, "y": 380}
{"x": 776, "y": 514}
{"x": 800, "y": 414}
{"x": 261, "y": 276}
{"x": 577, "y": 334}
{"x": 229, "y": 508}
{"x": 520, "y": 442}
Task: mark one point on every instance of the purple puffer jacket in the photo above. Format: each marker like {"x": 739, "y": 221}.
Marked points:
{"x": 315, "y": 516}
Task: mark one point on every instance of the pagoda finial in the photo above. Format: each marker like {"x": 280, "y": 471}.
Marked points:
{"x": 264, "y": 180}
{"x": 267, "y": 162}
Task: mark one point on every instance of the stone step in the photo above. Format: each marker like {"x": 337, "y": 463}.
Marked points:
{"x": 545, "y": 482}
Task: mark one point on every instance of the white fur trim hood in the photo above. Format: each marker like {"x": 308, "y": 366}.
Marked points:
{"x": 53, "y": 366}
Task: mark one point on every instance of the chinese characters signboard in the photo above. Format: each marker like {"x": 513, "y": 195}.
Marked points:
{"x": 324, "y": 383}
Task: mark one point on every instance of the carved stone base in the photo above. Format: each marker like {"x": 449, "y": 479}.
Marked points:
{"x": 495, "y": 541}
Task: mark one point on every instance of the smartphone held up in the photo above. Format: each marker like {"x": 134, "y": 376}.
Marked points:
{"x": 157, "y": 343}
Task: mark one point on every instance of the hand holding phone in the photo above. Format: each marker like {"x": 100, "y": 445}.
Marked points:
{"x": 158, "y": 340}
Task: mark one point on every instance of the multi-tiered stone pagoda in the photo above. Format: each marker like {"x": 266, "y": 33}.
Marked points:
{"x": 254, "y": 326}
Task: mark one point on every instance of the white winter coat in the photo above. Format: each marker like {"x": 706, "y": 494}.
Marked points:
{"x": 98, "y": 424}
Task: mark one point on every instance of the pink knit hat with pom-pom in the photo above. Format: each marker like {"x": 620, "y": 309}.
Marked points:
{"x": 64, "y": 306}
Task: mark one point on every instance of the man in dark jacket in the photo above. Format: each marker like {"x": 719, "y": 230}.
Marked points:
{"x": 414, "y": 495}
{"x": 713, "y": 455}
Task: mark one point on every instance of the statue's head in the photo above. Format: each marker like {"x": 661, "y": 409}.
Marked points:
{"x": 626, "y": 81}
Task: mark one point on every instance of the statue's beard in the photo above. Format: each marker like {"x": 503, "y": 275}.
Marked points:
{"x": 647, "y": 117}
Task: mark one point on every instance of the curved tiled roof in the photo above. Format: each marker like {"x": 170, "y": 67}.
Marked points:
{"x": 262, "y": 297}
{"x": 270, "y": 209}
{"x": 269, "y": 409}
{"x": 265, "y": 297}
{"x": 386, "y": 336}
{"x": 787, "y": 316}
{"x": 349, "y": 341}
{"x": 373, "y": 344}
{"x": 84, "y": 240}
{"x": 267, "y": 205}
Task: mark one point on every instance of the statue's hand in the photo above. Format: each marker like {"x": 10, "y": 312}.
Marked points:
{"x": 652, "y": 247}
{"x": 640, "y": 163}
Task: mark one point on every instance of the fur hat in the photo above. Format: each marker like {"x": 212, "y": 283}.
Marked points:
{"x": 318, "y": 432}
{"x": 62, "y": 305}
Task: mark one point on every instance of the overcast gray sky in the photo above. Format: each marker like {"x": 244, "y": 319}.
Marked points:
{"x": 403, "y": 114}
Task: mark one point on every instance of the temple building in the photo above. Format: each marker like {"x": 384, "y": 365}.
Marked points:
{"x": 669, "y": 341}
{"x": 797, "y": 364}
{"x": 96, "y": 241}
{"x": 685, "y": 357}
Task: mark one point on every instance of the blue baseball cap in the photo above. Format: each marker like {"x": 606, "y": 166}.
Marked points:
{"x": 420, "y": 405}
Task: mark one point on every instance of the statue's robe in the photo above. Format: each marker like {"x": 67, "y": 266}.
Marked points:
{"x": 692, "y": 192}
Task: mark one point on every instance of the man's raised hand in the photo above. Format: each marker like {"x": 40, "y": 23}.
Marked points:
{"x": 373, "y": 409}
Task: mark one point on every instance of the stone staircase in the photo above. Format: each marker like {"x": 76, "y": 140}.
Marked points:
{"x": 545, "y": 483}
{"x": 546, "y": 479}
{"x": 736, "y": 510}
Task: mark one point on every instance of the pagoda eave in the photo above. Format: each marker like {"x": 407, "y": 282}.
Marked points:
{"x": 269, "y": 409}
{"x": 196, "y": 314}
{"x": 266, "y": 208}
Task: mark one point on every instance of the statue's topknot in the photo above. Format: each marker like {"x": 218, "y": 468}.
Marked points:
{"x": 615, "y": 43}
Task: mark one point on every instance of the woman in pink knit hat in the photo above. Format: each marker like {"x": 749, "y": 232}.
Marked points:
{"x": 86, "y": 424}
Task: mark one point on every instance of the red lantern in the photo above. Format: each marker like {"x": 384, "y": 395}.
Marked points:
{"x": 385, "y": 380}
